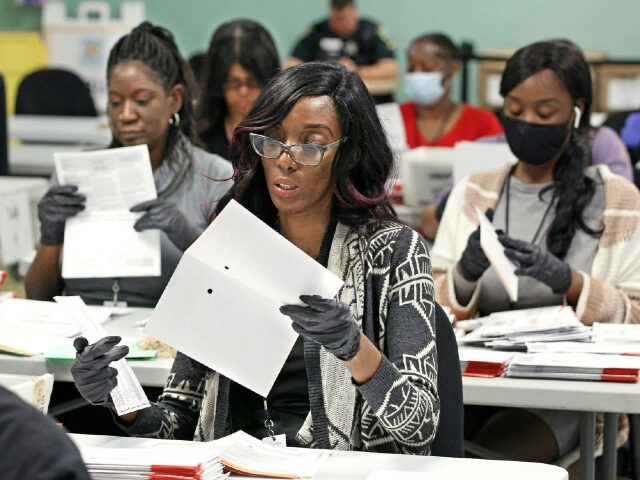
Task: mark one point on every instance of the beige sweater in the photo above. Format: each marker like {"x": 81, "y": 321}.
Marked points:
{"x": 611, "y": 291}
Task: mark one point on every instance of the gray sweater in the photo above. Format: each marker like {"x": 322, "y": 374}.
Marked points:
{"x": 389, "y": 290}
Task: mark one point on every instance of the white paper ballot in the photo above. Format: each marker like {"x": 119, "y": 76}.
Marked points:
{"x": 221, "y": 304}
{"x": 100, "y": 241}
{"x": 128, "y": 395}
{"x": 16, "y": 230}
{"x": 494, "y": 251}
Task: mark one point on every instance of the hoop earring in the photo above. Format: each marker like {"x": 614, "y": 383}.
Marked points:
{"x": 174, "y": 120}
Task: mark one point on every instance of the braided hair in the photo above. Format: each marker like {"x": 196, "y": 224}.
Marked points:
{"x": 574, "y": 189}
{"x": 155, "y": 47}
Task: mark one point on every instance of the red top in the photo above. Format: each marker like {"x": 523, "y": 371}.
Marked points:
{"x": 473, "y": 123}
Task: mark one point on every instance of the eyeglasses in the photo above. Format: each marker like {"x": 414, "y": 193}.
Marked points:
{"x": 309, "y": 154}
{"x": 235, "y": 84}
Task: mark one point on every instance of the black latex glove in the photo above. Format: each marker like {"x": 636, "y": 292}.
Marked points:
{"x": 58, "y": 204}
{"x": 533, "y": 262}
{"x": 93, "y": 376}
{"x": 327, "y": 322}
{"x": 473, "y": 261}
{"x": 164, "y": 215}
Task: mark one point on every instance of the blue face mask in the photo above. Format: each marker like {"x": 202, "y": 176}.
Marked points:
{"x": 424, "y": 88}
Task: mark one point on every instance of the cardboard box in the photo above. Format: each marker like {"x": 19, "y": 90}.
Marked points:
{"x": 618, "y": 87}
{"x": 490, "y": 74}
{"x": 36, "y": 391}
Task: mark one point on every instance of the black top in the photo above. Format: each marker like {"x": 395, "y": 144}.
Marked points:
{"x": 366, "y": 46}
{"x": 32, "y": 446}
{"x": 288, "y": 400}
{"x": 215, "y": 140}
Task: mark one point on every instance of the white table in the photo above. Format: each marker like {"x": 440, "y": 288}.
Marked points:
{"x": 358, "y": 465}
{"x": 152, "y": 373}
{"x": 586, "y": 397}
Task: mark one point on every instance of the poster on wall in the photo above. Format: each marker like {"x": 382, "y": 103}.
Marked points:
{"x": 82, "y": 43}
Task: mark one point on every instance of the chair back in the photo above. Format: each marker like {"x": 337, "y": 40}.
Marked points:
{"x": 449, "y": 440}
{"x": 54, "y": 91}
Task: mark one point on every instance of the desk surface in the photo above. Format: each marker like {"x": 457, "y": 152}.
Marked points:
{"x": 358, "y": 465}
{"x": 506, "y": 392}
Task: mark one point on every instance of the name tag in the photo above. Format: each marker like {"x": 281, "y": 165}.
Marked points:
{"x": 276, "y": 440}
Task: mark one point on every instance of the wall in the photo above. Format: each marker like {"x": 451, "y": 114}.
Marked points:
{"x": 612, "y": 27}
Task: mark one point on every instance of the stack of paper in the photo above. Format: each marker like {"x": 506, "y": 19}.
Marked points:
{"x": 513, "y": 329}
{"x": 198, "y": 461}
{"x": 575, "y": 366}
{"x": 616, "y": 332}
{"x": 238, "y": 453}
{"x": 30, "y": 327}
{"x": 479, "y": 362}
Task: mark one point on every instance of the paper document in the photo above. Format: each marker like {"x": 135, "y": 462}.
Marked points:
{"x": 29, "y": 317}
{"x": 128, "y": 395}
{"x": 494, "y": 251}
{"x": 16, "y": 228}
{"x": 100, "y": 241}
{"x": 221, "y": 304}
{"x": 243, "y": 454}
{"x": 391, "y": 119}
{"x": 616, "y": 332}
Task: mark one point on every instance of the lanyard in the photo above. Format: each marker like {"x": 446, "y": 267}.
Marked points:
{"x": 544, "y": 217}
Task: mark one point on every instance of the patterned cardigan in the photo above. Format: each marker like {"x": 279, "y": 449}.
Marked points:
{"x": 611, "y": 290}
{"x": 389, "y": 289}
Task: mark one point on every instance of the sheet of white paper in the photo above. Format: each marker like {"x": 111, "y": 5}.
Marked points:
{"x": 128, "y": 395}
{"x": 16, "y": 230}
{"x": 104, "y": 244}
{"x": 100, "y": 242}
{"x": 616, "y": 332}
{"x": 585, "y": 347}
{"x": 33, "y": 317}
{"x": 493, "y": 97}
{"x": 494, "y": 251}
{"x": 393, "y": 124}
{"x": 221, "y": 304}
{"x": 112, "y": 179}
{"x": 473, "y": 157}
{"x": 575, "y": 360}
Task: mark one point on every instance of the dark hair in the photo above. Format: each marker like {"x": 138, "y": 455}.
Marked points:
{"x": 444, "y": 43}
{"x": 155, "y": 47}
{"x": 340, "y": 4}
{"x": 240, "y": 41}
{"x": 362, "y": 165}
{"x": 573, "y": 189}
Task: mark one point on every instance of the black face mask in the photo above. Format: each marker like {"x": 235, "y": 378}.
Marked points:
{"x": 534, "y": 143}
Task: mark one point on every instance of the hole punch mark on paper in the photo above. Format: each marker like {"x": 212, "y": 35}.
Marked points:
{"x": 209, "y": 291}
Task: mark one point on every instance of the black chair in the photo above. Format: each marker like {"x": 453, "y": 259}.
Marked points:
{"x": 4, "y": 154}
{"x": 449, "y": 441}
{"x": 53, "y": 91}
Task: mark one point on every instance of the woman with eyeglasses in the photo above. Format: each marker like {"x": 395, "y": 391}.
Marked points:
{"x": 242, "y": 58}
{"x": 312, "y": 161}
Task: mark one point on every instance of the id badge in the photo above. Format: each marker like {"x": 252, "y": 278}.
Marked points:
{"x": 276, "y": 440}
{"x": 112, "y": 304}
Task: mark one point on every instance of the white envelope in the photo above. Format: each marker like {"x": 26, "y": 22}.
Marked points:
{"x": 221, "y": 306}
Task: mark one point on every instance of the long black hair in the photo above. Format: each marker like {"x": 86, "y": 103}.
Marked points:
{"x": 241, "y": 41}
{"x": 574, "y": 190}
{"x": 362, "y": 165}
{"x": 155, "y": 47}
